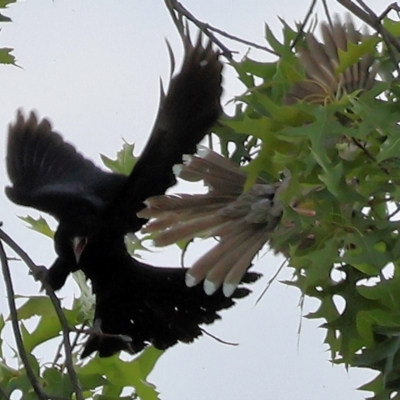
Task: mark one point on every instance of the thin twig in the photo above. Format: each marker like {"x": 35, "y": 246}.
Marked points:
{"x": 394, "y": 212}
{"x": 365, "y": 7}
{"x": 269, "y": 283}
{"x": 174, "y": 6}
{"x": 327, "y": 13}
{"x": 177, "y": 11}
{"x": 40, "y": 393}
{"x": 364, "y": 149}
{"x": 218, "y": 339}
{"x": 368, "y": 154}
{"x": 303, "y": 24}
{"x": 57, "y": 307}
{"x": 390, "y": 7}
{"x": 300, "y": 326}
{"x": 58, "y": 353}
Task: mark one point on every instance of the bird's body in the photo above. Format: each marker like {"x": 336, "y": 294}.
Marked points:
{"x": 96, "y": 209}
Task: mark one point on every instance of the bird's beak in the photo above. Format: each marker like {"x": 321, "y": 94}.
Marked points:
{"x": 78, "y": 244}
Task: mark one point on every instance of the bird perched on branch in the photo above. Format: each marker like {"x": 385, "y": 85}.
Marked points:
{"x": 243, "y": 221}
{"x": 96, "y": 209}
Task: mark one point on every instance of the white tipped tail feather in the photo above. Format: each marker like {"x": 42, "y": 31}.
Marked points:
{"x": 243, "y": 221}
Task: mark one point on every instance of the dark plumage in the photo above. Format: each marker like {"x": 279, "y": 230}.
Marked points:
{"x": 96, "y": 209}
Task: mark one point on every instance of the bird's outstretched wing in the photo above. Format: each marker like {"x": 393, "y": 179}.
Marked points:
{"x": 186, "y": 113}
{"x": 50, "y": 175}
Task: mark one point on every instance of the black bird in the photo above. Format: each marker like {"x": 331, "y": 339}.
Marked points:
{"x": 96, "y": 209}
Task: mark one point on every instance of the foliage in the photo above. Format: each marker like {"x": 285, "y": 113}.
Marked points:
{"x": 343, "y": 157}
{"x": 5, "y": 53}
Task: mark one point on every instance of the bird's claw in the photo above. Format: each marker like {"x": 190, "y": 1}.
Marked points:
{"x": 40, "y": 273}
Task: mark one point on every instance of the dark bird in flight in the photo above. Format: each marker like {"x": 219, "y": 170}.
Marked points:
{"x": 96, "y": 209}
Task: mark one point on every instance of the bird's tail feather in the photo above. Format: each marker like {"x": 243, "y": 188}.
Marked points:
{"x": 321, "y": 62}
{"x": 243, "y": 221}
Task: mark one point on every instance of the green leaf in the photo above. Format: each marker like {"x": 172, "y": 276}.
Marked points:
{"x": 6, "y": 57}
{"x": 57, "y": 383}
{"x": 3, "y": 18}
{"x": 251, "y": 67}
{"x": 120, "y": 374}
{"x": 85, "y": 304}
{"x": 124, "y": 162}
{"x": 355, "y": 52}
{"x": 134, "y": 244}
{"x": 5, "y": 3}
{"x": 35, "y": 306}
{"x": 48, "y": 326}
{"x": 39, "y": 225}
{"x": 273, "y": 41}
{"x": 392, "y": 26}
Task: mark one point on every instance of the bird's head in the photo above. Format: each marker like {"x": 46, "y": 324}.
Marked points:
{"x": 73, "y": 237}
{"x": 78, "y": 245}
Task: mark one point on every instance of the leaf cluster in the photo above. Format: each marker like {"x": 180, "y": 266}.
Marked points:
{"x": 340, "y": 229}
{"x": 5, "y": 53}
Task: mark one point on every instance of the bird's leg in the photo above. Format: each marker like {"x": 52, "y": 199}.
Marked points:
{"x": 40, "y": 273}
{"x": 95, "y": 330}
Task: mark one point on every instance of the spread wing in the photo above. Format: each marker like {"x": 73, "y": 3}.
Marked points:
{"x": 186, "y": 113}
{"x": 49, "y": 174}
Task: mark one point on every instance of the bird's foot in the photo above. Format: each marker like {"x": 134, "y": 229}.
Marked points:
{"x": 95, "y": 331}
{"x": 40, "y": 273}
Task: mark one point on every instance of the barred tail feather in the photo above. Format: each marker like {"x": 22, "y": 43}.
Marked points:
{"x": 203, "y": 226}
{"x": 242, "y": 220}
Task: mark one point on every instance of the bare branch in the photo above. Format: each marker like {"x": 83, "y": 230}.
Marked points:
{"x": 304, "y": 23}
{"x": 217, "y": 338}
{"x": 365, "y": 7}
{"x": 177, "y": 11}
{"x": 269, "y": 283}
{"x": 57, "y": 307}
{"x": 40, "y": 393}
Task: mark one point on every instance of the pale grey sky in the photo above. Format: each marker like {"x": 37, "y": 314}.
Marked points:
{"x": 93, "y": 67}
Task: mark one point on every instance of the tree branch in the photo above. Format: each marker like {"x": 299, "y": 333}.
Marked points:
{"x": 175, "y": 6}
{"x": 35, "y": 270}
{"x": 303, "y": 24}
{"x": 40, "y": 393}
